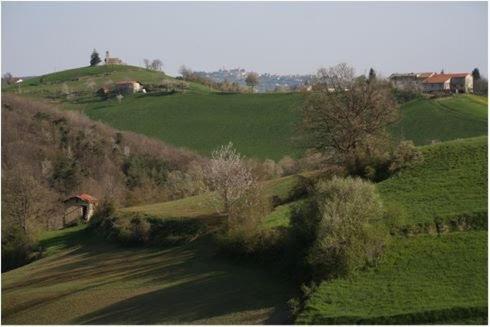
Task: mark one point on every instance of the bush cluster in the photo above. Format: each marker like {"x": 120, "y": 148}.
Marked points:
{"x": 338, "y": 229}
{"x": 140, "y": 229}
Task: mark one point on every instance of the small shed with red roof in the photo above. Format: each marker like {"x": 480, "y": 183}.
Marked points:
{"x": 78, "y": 207}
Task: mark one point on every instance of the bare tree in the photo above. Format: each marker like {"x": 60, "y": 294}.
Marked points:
{"x": 7, "y": 78}
{"x": 338, "y": 77}
{"x": 186, "y": 72}
{"x": 147, "y": 63}
{"x": 252, "y": 80}
{"x": 21, "y": 205}
{"x": 347, "y": 118}
{"x": 227, "y": 177}
{"x": 156, "y": 64}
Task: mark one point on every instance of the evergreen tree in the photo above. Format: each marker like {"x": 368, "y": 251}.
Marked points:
{"x": 476, "y": 74}
{"x": 94, "y": 58}
{"x": 372, "y": 75}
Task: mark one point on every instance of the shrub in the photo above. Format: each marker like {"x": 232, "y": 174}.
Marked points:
{"x": 289, "y": 166}
{"x": 338, "y": 230}
{"x": 17, "y": 248}
{"x": 406, "y": 155}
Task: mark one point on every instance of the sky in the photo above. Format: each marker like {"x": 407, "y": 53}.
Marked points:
{"x": 273, "y": 37}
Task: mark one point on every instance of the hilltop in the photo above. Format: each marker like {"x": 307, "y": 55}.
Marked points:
{"x": 260, "y": 125}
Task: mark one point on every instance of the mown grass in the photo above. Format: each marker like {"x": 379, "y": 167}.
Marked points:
{"x": 421, "y": 280}
{"x": 452, "y": 180}
{"x": 424, "y": 121}
{"x": 96, "y": 282}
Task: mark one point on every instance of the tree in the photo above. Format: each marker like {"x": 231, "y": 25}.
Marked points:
{"x": 156, "y": 64}
{"x": 480, "y": 86}
{"x": 252, "y": 80}
{"x": 372, "y": 75}
{"x": 147, "y": 63}
{"x": 185, "y": 72}
{"x": 476, "y": 74}
{"x": 7, "y": 78}
{"x": 228, "y": 178}
{"x": 94, "y": 58}
{"x": 347, "y": 118}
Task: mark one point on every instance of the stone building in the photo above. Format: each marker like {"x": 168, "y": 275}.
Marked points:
{"x": 112, "y": 61}
{"x": 78, "y": 207}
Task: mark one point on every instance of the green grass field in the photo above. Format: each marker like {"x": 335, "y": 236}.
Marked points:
{"x": 260, "y": 125}
{"x": 88, "y": 281}
{"x": 200, "y": 206}
{"x": 452, "y": 180}
{"x": 424, "y": 121}
{"x": 420, "y": 280}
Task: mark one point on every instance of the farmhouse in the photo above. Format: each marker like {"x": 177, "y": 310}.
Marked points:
{"x": 112, "y": 61}
{"x": 128, "y": 87}
{"x": 453, "y": 82}
{"x": 78, "y": 207}
{"x": 409, "y": 80}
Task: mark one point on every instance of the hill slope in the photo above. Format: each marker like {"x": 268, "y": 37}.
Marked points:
{"x": 261, "y": 125}
{"x": 442, "y": 119}
{"x": 92, "y": 282}
{"x": 452, "y": 180}
{"x": 420, "y": 280}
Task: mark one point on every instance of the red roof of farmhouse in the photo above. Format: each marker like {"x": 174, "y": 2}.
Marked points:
{"x": 438, "y": 79}
{"x": 441, "y": 78}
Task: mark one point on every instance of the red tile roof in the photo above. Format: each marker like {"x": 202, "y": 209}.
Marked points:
{"x": 84, "y": 197}
{"x": 437, "y": 79}
{"x": 459, "y": 74}
{"x": 441, "y": 78}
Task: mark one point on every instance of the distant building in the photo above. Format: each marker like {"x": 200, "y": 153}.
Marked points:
{"x": 112, "y": 61}
{"x": 78, "y": 207}
{"x": 452, "y": 82}
{"x": 128, "y": 87}
{"x": 438, "y": 83}
{"x": 409, "y": 80}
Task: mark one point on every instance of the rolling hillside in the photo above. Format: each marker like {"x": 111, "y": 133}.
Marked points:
{"x": 444, "y": 119}
{"x": 421, "y": 280}
{"x": 89, "y": 281}
{"x": 260, "y": 125}
{"x": 451, "y": 181}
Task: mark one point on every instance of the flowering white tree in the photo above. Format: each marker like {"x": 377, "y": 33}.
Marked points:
{"x": 227, "y": 177}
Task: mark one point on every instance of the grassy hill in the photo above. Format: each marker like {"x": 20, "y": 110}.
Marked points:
{"x": 443, "y": 119}
{"x": 261, "y": 125}
{"x": 87, "y": 281}
{"x": 420, "y": 280}
{"x": 452, "y": 180}
{"x": 284, "y": 190}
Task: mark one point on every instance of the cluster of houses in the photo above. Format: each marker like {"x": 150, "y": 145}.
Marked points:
{"x": 433, "y": 82}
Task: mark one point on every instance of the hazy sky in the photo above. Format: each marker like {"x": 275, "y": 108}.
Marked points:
{"x": 270, "y": 37}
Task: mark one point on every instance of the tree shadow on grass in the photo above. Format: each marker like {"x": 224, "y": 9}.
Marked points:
{"x": 182, "y": 284}
{"x": 219, "y": 298}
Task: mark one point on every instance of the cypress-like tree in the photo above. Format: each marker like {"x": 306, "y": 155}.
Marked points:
{"x": 476, "y": 74}
{"x": 94, "y": 58}
{"x": 372, "y": 75}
